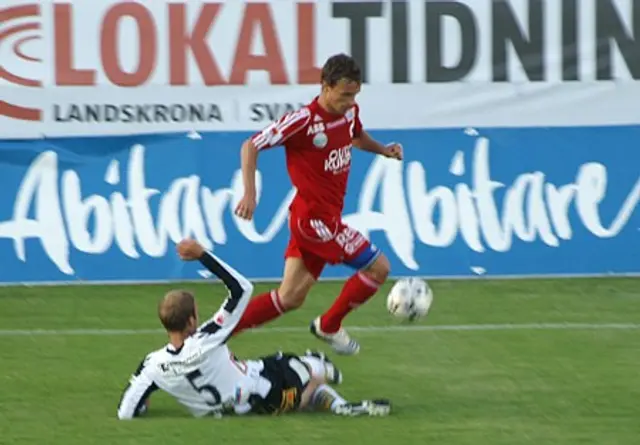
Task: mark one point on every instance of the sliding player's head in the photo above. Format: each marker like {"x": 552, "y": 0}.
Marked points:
{"x": 178, "y": 313}
{"x": 341, "y": 81}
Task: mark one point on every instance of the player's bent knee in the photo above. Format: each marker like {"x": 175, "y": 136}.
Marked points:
{"x": 292, "y": 298}
{"x": 295, "y": 285}
{"x": 307, "y": 394}
{"x": 379, "y": 269}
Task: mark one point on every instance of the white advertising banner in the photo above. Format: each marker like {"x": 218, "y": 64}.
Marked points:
{"x": 123, "y": 67}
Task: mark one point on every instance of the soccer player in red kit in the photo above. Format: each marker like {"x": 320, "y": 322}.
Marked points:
{"x": 318, "y": 140}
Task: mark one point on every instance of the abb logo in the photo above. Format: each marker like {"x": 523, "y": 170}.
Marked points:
{"x": 156, "y": 43}
{"x": 318, "y": 127}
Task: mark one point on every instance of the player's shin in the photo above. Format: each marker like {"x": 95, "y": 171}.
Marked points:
{"x": 356, "y": 291}
{"x": 262, "y": 309}
{"x": 325, "y": 398}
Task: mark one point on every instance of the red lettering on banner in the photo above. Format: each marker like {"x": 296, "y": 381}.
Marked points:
{"x": 308, "y": 73}
{"x": 109, "y": 44}
{"x": 66, "y": 73}
{"x": 180, "y": 42}
{"x": 185, "y": 40}
{"x": 258, "y": 15}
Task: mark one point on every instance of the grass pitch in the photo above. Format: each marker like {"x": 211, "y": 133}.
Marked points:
{"x": 496, "y": 362}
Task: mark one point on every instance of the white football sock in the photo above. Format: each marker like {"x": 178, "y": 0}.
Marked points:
{"x": 325, "y": 398}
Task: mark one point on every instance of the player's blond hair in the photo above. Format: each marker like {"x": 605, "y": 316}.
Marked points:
{"x": 176, "y": 309}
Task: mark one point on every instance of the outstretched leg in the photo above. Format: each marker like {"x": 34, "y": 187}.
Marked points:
{"x": 356, "y": 291}
{"x": 319, "y": 396}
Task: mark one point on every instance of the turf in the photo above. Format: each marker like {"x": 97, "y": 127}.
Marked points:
{"x": 545, "y": 384}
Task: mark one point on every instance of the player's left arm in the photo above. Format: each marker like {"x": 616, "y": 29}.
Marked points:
{"x": 364, "y": 141}
{"x": 224, "y": 321}
{"x": 135, "y": 398}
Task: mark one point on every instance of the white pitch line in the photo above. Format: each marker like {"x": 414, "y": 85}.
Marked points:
{"x": 397, "y": 328}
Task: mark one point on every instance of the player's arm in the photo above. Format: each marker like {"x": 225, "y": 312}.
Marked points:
{"x": 135, "y": 398}
{"x": 364, "y": 141}
{"x": 273, "y": 135}
{"x": 249, "y": 165}
{"x": 224, "y": 321}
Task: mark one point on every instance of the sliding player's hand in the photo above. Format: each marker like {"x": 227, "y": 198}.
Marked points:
{"x": 189, "y": 250}
{"x": 394, "y": 151}
{"x": 246, "y": 207}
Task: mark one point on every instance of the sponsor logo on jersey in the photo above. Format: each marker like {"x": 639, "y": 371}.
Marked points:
{"x": 339, "y": 160}
{"x": 320, "y": 140}
{"x": 315, "y": 128}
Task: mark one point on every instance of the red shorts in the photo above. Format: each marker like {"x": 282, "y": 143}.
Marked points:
{"x": 321, "y": 241}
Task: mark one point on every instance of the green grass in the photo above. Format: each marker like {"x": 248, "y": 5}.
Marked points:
{"x": 555, "y": 386}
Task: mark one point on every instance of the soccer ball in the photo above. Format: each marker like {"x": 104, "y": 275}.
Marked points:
{"x": 409, "y": 299}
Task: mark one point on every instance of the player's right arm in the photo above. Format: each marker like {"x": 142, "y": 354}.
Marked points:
{"x": 273, "y": 135}
{"x": 135, "y": 397}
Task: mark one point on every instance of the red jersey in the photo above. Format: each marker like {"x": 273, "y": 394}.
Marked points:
{"x": 318, "y": 151}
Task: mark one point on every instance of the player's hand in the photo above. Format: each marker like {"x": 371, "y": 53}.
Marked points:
{"x": 246, "y": 207}
{"x": 394, "y": 151}
{"x": 189, "y": 249}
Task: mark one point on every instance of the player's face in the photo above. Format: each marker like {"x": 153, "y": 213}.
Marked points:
{"x": 342, "y": 95}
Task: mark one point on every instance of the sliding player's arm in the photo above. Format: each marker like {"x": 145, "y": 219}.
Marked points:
{"x": 135, "y": 398}
{"x": 273, "y": 135}
{"x": 220, "y": 327}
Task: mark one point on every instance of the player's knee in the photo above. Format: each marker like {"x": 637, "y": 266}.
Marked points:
{"x": 379, "y": 269}
{"x": 292, "y": 298}
{"x": 309, "y": 390}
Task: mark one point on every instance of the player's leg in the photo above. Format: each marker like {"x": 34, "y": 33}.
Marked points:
{"x": 321, "y": 367}
{"x": 300, "y": 274}
{"x": 319, "y": 396}
{"x": 358, "y": 289}
{"x": 291, "y": 385}
{"x": 372, "y": 270}
{"x": 298, "y": 383}
{"x": 322, "y": 397}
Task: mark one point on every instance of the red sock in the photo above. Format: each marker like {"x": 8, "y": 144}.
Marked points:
{"x": 262, "y": 308}
{"x": 358, "y": 289}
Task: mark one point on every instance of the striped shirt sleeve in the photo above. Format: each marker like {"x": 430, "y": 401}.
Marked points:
{"x": 219, "y": 328}
{"x": 278, "y": 132}
{"x": 133, "y": 401}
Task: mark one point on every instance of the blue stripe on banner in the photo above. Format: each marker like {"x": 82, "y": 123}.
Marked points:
{"x": 496, "y": 201}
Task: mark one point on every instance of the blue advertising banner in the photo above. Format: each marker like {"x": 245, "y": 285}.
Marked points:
{"x": 464, "y": 202}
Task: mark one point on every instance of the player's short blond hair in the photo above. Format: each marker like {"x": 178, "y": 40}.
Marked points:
{"x": 176, "y": 309}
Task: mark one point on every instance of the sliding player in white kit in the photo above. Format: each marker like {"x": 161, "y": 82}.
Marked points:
{"x": 198, "y": 370}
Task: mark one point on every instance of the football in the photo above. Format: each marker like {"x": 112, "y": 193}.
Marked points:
{"x": 409, "y": 299}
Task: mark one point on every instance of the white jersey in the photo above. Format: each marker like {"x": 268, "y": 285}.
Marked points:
{"x": 203, "y": 375}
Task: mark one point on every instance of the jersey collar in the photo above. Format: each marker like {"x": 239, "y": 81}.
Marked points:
{"x": 324, "y": 114}
{"x": 173, "y": 350}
